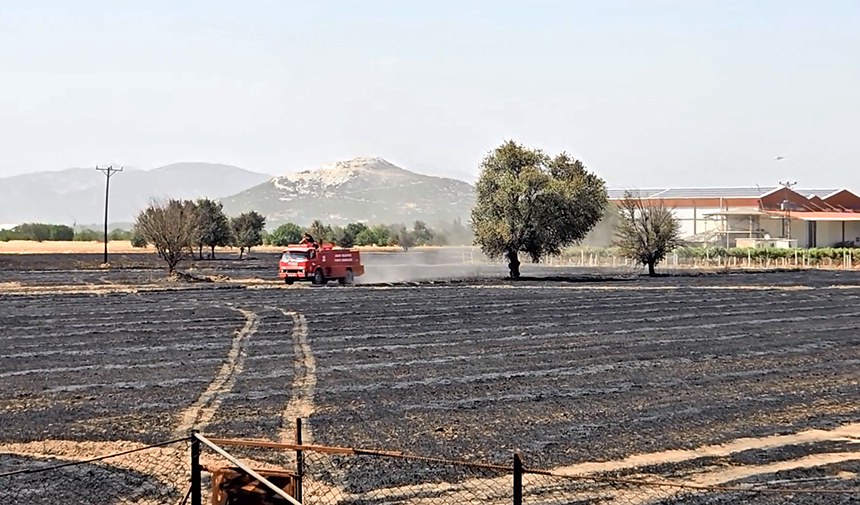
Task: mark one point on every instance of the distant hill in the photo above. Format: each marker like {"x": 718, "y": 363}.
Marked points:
{"x": 361, "y": 189}
{"x": 76, "y": 195}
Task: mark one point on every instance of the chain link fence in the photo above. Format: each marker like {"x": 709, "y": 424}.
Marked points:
{"x": 546, "y": 488}
{"x": 91, "y": 473}
{"x": 346, "y": 476}
{"x": 371, "y": 477}
{"x": 196, "y": 470}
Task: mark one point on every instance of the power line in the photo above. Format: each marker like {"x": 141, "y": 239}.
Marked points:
{"x": 108, "y": 171}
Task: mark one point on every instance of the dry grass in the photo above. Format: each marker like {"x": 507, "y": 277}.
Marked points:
{"x": 122, "y": 247}
{"x": 31, "y": 247}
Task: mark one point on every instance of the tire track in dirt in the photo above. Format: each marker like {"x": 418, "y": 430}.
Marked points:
{"x": 301, "y": 404}
{"x": 716, "y": 475}
{"x": 653, "y": 490}
{"x": 847, "y": 432}
{"x": 200, "y": 413}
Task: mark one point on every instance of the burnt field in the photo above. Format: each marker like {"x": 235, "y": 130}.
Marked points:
{"x": 441, "y": 265}
{"x": 576, "y": 376}
{"x": 147, "y": 268}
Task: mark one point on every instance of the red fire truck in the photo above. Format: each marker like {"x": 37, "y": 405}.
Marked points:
{"x": 319, "y": 265}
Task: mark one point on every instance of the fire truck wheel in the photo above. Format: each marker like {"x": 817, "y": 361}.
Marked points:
{"x": 348, "y": 278}
{"x": 319, "y": 278}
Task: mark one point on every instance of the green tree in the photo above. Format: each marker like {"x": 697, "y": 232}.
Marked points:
{"x": 342, "y": 236}
{"x": 170, "y": 228}
{"x": 348, "y": 235}
{"x": 364, "y": 238}
{"x": 119, "y": 234}
{"x": 138, "y": 239}
{"x": 422, "y": 234}
{"x": 401, "y": 236}
{"x": 286, "y": 234}
{"x": 320, "y": 232}
{"x": 647, "y": 231}
{"x": 62, "y": 232}
{"x": 529, "y": 202}
{"x": 247, "y": 231}
{"x": 35, "y": 231}
{"x": 88, "y": 235}
{"x": 212, "y": 228}
{"x": 354, "y": 229}
{"x": 378, "y": 235}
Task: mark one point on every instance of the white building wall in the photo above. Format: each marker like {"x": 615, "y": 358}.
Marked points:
{"x": 772, "y": 227}
{"x": 829, "y": 233}
{"x": 693, "y": 221}
{"x": 800, "y": 232}
{"x": 852, "y": 231}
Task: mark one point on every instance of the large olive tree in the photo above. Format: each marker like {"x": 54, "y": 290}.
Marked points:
{"x": 647, "y": 230}
{"x": 529, "y": 202}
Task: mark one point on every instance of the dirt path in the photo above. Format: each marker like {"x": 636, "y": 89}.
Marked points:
{"x": 301, "y": 404}
{"x": 201, "y": 411}
{"x": 848, "y": 432}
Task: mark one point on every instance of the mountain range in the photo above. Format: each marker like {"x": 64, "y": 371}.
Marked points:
{"x": 76, "y": 195}
{"x": 366, "y": 189}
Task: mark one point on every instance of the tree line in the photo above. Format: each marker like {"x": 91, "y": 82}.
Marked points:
{"x": 43, "y": 232}
{"x": 179, "y": 228}
{"x": 380, "y": 235}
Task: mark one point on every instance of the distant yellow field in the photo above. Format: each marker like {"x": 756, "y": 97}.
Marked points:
{"x": 115, "y": 246}
{"x": 31, "y": 247}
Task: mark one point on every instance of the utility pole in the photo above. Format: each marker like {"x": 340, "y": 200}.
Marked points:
{"x": 785, "y": 206}
{"x": 108, "y": 171}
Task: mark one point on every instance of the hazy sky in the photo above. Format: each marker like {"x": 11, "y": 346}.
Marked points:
{"x": 646, "y": 93}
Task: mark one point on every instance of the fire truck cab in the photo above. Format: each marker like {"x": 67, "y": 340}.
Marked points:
{"x": 301, "y": 262}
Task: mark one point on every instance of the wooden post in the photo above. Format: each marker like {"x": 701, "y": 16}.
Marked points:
{"x": 196, "y": 491}
{"x": 300, "y": 460}
{"x": 518, "y": 480}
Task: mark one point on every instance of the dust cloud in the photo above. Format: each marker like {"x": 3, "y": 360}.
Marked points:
{"x": 424, "y": 265}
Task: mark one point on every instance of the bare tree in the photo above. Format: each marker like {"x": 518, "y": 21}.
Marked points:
{"x": 647, "y": 230}
{"x": 170, "y": 227}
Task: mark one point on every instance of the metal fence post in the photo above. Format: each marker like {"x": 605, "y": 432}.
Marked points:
{"x": 518, "y": 479}
{"x": 300, "y": 460}
{"x": 196, "y": 491}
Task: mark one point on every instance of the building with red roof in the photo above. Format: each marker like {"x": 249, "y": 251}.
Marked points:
{"x": 756, "y": 217}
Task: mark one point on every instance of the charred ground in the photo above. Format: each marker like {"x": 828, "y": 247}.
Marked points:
{"x": 565, "y": 372}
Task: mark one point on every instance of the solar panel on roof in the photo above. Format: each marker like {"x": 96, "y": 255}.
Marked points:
{"x": 817, "y": 192}
{"x": 742, "y": 192}
{"x": 714, "y": 192}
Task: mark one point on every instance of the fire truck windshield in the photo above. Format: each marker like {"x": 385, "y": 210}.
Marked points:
{"x": 294, "y": 255}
